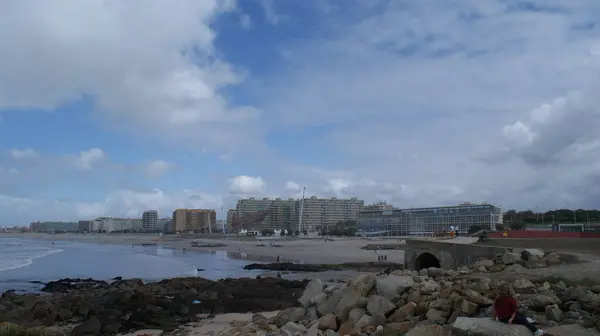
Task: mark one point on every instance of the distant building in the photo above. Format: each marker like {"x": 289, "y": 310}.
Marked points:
{"x": 149, "y": 220}
{"x": 111, "y": 224}
{"x": 86, "y": 226}
{"x": 277, "y": 214}
{"x": 429, "y": 221}
{"x": 231, "y": 215}
{"x": 164, "y": 224}
{"x": 194, "y": 220}
{"x": 54, "y": 227}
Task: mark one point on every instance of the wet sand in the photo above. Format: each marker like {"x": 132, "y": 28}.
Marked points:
{"x": 298, "y": 250}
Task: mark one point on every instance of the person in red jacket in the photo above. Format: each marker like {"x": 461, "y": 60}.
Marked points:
{"x": 506, "y": 310}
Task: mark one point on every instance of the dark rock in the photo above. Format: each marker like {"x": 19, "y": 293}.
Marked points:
{"x": 127, "y": 305}
{"x": 89, "y": 327}
{"x": 67, "y": 285}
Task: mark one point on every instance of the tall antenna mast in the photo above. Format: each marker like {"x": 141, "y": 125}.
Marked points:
{"x": 301, "y": 210}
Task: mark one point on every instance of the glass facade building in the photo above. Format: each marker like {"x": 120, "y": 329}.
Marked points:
{"x": 429, "y": 221}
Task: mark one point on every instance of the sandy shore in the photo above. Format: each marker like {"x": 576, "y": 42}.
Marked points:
{"x": 300, "y": 250}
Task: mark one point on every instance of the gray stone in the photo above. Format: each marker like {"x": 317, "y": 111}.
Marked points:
{"x": 530, "y": 254}
{"x": 426, "y": 330}
{"x": 523, "y": 286}
{"x": 468, "y": 326}
{"x": 510, "y": 258}
{"x": 429, "y": 287}
{"x": 487, "y": 263}
{"x": 292, "y": 328}
{"x": 313, "y": 288}
{"x": 572, "y": 330}
{"x": 379, "y": 304}
{"x": 552, "y": 258}
{"x": 293, "y": 314}
{"x": 392, "y": 286}
{"x": 540, "y": 301}
{"x": 356, "y": 313}
{"x": 329, "y": 321}
{"x": 350, "y": 299}
{"x": 553, "y": 313}
{"x": 363, "y": 283}
{"x": 364, "y": 321}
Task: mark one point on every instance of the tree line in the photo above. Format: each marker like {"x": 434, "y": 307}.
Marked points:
{"x": 560, "y": 216}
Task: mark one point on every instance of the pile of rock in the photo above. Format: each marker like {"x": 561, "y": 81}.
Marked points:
{"x": 429, "y": 302}
{"x": 124, "y": 305}
{"x": 511, "y": 260}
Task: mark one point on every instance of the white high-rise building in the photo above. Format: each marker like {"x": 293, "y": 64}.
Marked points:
{"x": 317, "y": 213}
{"x": 149, "y": 220}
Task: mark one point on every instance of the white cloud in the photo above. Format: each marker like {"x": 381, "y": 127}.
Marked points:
{"x": 86, "y": 159}
{"x": 144, "y": 69}
{"x": 245, "y": 21}
{"x": 158, "y": 168}
{"x": 125, "y": 203}
{"x": 337, "y": 186}
{"x": 418, "y": 103}
{"x": 247, "y": 185}
{"x": 20, "y": 154}
{"x": 269, "y": 11}
{"x": 292, "y": 186}
{"x": 429, "y": 102}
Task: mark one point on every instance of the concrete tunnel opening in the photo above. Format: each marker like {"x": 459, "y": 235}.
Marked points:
{"x": 426, "y": 260}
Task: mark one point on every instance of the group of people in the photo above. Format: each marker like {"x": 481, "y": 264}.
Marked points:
{"x": 453, "y": 230}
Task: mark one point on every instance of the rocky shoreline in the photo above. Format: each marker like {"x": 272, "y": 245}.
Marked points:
{"x": 428, "y": 302}
{"x": 124, "y": 305}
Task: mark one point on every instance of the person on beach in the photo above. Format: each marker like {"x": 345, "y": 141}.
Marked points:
{"x": 506, "y": 310}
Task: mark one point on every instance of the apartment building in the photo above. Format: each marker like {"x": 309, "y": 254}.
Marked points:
{"x": 51, "y": 227}
{"x": 86, "y": 226}
{"x": 111, "y": 224}
{"x": 263, "y": 213}
{"x": 231, "y": 215}
{"x": 322, "y": 213}
{"x": 285, "y": 214}
{"x": 150, "y": 221}
{"x": 196, "y": 220}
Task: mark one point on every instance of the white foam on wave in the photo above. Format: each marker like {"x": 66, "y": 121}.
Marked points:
{"x": 19, "y": 260}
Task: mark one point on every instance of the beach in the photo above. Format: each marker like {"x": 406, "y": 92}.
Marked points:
{"x": 303, "y": 250}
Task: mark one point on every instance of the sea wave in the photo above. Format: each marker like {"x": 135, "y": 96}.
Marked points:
{"x": 10, "y": 262}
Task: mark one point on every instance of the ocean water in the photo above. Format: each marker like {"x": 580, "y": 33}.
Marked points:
{"x": 23, "y": 261}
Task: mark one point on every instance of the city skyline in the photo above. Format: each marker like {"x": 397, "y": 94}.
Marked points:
{"x": 419, "y": 103}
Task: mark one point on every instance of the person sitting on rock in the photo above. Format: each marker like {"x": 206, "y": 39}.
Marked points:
{"x": 506, "y": 310}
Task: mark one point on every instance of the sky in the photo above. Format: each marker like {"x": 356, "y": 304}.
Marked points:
{"x": 114, "y": 107}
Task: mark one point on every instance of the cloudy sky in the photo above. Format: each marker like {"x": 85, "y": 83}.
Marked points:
{"x": 113, "y": 107}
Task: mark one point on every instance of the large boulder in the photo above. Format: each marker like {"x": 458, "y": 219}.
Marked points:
{"x": 378, "y": 304}
{"x": 392, "y": 286}
{"x": 363, "y": 283}
{"x": 468, "y": 326}
{"x": 532, "y": 254}
{"x": 314, "y": 288}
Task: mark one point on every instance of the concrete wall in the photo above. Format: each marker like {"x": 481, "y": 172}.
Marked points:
{"x": 542, "y": 234}
{"x": 449, "y": 255}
